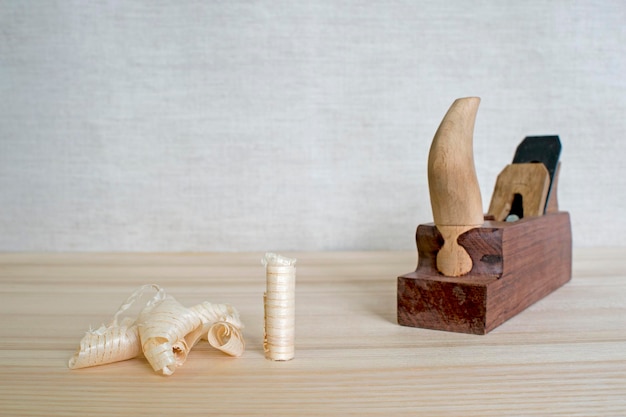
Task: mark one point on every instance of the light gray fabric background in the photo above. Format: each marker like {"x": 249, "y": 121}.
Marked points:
{"x": 279, "y": 125}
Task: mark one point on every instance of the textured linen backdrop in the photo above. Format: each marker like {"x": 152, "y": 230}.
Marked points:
{"x": 130, "y": 125}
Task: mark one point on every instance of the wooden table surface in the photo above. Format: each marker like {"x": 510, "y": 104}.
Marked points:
{"x": 565, "y": 355}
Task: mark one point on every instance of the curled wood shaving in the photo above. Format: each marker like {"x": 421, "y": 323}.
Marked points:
{"x": 279, "y": 302}
{"x": 226, "y": 337}
{"x": 165, "y": 331}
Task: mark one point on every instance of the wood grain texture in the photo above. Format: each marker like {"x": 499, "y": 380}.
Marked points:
{"x": 515, "y": 265}
{"x": 530, "y": 181}
{"x": 454, "y": 191}
{"x": 565, "y": 355}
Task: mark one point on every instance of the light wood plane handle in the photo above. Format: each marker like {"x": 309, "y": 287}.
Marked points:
{"x": 454, "y": 191}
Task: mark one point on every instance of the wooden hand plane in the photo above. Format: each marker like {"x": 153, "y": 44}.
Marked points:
{"x": 476, "y": 271}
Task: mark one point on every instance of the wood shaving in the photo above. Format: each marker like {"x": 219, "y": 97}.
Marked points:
{"x": 164, "y": 332}
{"x": 279, "y": 302}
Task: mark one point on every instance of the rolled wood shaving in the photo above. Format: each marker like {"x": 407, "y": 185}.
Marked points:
{"x": 279, "y": 303}
{"x": 165, "y": 331}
